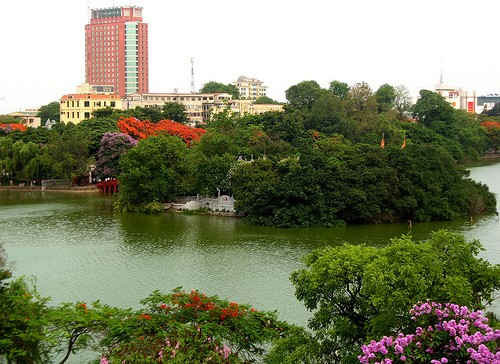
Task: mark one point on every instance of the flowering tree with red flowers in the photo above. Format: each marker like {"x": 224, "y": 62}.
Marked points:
{"x": 143, "y": 129}
{"x": 183, "y": 327}
{"x": 8, "y": 127}
{"x": 493, "y": 129}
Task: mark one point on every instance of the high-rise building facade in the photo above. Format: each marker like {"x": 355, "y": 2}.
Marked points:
{"x": 116, "y": 50}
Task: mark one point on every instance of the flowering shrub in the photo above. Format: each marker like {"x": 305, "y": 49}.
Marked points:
{"x": 446, "y": 333}
{"x": 112, "y": 147}
{"x": 191, "y": 327}
{"x": 143, "y": 129}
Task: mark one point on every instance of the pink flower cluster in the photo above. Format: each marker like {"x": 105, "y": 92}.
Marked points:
{"x": 453, "y": 333}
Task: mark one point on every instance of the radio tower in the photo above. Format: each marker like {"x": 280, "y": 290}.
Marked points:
{"x": 192, "y": 76}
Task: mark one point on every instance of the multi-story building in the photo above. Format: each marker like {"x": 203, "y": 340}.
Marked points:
{"x": 458, "y": 98}
{"x": 250, "y": 88}
{"x": 116, "y": 50}
{"x": 77, "y": 107}
{"x": 197, "y": 106}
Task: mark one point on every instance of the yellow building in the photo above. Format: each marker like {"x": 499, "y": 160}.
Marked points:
{"x": 248, "y": 107}
{"x": 78, "y": 107}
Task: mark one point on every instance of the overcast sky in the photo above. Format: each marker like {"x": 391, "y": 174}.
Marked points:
{"x": 280, "y": 42}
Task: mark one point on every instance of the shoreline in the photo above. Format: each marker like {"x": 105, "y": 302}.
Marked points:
{"x": 79, "y": 189}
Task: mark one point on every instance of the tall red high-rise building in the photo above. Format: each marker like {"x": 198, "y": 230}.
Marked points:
{"x": 116, "y": 50}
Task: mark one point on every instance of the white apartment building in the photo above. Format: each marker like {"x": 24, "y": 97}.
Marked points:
{"x": 250, "y": 88}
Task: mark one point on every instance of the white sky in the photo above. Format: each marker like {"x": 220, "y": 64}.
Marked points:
{"x": 280, "y": 42}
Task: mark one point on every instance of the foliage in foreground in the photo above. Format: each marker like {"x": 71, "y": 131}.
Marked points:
{"x": 446, "y": 333}
{"x": 191, "y": 327}
{"x": 358, "y": 293}
{"x": 178, "y": 327}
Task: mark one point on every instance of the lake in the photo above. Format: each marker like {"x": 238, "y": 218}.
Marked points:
{"x": 79, "y": 249}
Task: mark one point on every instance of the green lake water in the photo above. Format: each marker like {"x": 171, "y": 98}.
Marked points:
{"x": 79, "y": 249}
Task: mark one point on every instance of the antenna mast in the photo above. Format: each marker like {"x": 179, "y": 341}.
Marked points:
{"x": 192, "y": 76}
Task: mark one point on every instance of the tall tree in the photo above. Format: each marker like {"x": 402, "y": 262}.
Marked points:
{"x": 386, "y": 97}
{"x": 339, "y": 89}
{"x": 50, "y": 112}
{"x": 304, "y": 94}
{"x": 433, "y": 111}
{"x": 326, "y": 114}
{"x": 175, "y": 112}
{"x": 153, "y": 172}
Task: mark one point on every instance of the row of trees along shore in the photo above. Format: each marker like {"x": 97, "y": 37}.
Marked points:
{"x": 339, "y": 155}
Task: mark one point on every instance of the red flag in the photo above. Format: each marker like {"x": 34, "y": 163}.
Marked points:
{"x": 382, "y": 142}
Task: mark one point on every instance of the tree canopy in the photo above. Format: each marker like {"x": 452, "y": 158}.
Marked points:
{"x": 213, "y": 87}
{"x": 50, "y": 111}
{"x": 358, "y": 293}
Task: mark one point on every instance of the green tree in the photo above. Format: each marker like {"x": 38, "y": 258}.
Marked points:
{"x": 265, "y": 100}
{"x": 326, "y": 114}
{"x": 22, "y": 323}
{"x": 386, "y": 97}
{"x": 175, "y": 112}
{"x": 304, "y": 94}
{"x": 74, "y": 327}
{"x": 94, "y": 129}
{"x": 433, "y": 111}
{"x": 211, "y": 174}
{"x": 105, "y": 112}
{"x": 50, "y": 111}
{"x": 361, "y": 103}
{"x": 214, "y": 87}
{"x": 152, "y": 173}
{"x": 339, "y": 89}
{"x": 360, "y": 292}
{"x": 66, "y": 156}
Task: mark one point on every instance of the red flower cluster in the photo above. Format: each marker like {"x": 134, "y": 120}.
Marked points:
{"x": 84, "y": 307}
{"x": 143, "y": 129}
{"x": 232, "y": 311}
{"x": 193, "y": 300}
{"x": 489, "y": 125}
{"x": 144, "y": 316}
{"x": 12, "y": 126}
